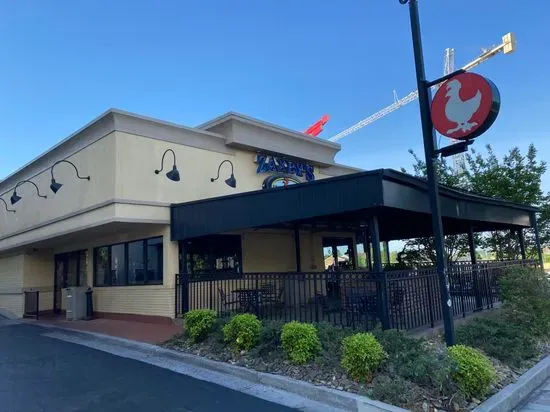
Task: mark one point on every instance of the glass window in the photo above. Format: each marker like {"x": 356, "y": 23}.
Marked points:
{"x": 118, "y": 265}
{"x": 72, "y": 270}
{"x": 214, "y": 254}
{"x": 133, "y": 263}
{"x": 82, "y": 267}
{"x": 136, "y": 263}
{"x": 154, "y": 260}
{"x": 102, "y": 266}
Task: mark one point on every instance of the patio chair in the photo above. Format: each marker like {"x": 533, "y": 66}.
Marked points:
{"x": 269, "y": 291}
{"x": 225, "y": 303}
{"x": 397, "y": 299}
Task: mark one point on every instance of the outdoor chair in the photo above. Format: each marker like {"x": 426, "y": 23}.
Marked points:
{"x": 225, "y": 303}
{"x": 397, "y": 300}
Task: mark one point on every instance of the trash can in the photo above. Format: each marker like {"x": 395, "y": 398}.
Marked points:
{"x": 75, "y": 303}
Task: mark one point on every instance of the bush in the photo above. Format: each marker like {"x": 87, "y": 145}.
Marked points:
{"x": 394, "y": 390}
{"x": 526, "y": 298}
{"x": 362, "y": 354}
{"x": 269, "y": 338}
{"x": 199, "y": 323}
{"x": 411, "y": 359}
{"x": 243, "y": 331}
{"x": 300, "y": 342}
{"x": 331, "y": 343}
{"x": 474, "y": 372}
{"x": 507, "y": 341}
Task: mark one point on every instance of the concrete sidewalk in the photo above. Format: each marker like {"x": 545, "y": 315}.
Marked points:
{"x": 139, "y": 331}
{"x": 274, "y": 388}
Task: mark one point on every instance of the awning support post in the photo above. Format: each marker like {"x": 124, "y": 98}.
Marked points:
{"x": 379, "y": 272}
{"x": 473, "y": 259}
{"x": 537, "y": 239}
{"x": 521, "y": 239}
{"x": 297, "y": 248}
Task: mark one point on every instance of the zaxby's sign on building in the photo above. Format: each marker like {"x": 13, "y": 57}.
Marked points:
{"x": 284, "y": 171}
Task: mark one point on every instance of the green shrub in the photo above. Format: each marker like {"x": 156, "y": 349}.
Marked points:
{"x": 474, "y": 372}
{"x": 362, "y": 354}
{"x": 331, "y": 343}
{"x": 300, "y": 342}
{"x": 507, "y": 341}
{"x": 270, "y": 338}
{"x": 394, "y": 390}
{"x": 411, "y": 359}
{"x": 526, "y": 298}
{"x": 199, "y": 323}
{"x": 243, "y": 331}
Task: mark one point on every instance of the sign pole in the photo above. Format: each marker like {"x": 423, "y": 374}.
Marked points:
{"x": 424, "y": 98}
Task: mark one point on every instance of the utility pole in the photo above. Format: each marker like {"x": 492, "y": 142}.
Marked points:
{"x": 430, "y": 151}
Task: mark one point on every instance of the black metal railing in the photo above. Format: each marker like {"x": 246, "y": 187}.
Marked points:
{"x": 402, "y": 299}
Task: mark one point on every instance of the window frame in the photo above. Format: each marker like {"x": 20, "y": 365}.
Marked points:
{"x": 211, "y": 242}
{"x": 125, "y": 275}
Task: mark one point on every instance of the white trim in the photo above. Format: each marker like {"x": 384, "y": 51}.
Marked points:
{"x": 98, "y": 223}
{"x": 269, "y": 126}
{"x": 90, "y": 208}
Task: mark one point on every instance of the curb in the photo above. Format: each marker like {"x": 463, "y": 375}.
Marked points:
{"x": 515, "y": 393}
{"x": 330, "y": 397}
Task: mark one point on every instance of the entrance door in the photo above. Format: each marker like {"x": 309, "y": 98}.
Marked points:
{"x": 60, "y": 280}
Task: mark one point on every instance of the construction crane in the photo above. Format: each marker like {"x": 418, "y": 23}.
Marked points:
{"x": 507, "y": 46}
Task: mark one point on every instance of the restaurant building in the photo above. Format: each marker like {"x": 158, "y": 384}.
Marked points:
{"x": 127, "y": 203}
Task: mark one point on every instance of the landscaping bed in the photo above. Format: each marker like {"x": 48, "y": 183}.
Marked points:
{"x": 390, "y": 366}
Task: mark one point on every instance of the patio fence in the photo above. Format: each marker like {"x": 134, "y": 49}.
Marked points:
{"x": 402, "y": 299}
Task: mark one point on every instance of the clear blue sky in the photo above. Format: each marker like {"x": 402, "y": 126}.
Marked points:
{"x": 64, "y": 62}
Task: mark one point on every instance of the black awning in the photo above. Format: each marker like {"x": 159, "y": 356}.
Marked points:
{"x": 400, "y": 201}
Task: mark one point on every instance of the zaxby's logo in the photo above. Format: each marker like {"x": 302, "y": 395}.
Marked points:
{"x": 274, "y": 164}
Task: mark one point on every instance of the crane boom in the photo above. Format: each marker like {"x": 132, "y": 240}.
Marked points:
{"x": 507, "y": 46}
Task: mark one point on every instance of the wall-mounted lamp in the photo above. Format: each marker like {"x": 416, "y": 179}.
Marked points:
{"x": 173, "y": 174}
{"x": 6, "y": 205}
{"x": 16, "y": 198}
{"x": 55, "y": 186}
{"x": 231, "y": 181}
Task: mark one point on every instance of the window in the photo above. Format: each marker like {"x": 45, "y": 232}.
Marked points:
{"x": 71, "y": 268}
{"x": 133, "y": 263}
{"x": 214, "y": 254}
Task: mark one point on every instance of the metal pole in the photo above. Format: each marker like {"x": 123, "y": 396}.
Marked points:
{"x": 424, "y": 98}
{"x": 379, "y": 272}
{"x": 473, "y": 258}
{"x": 297, "y": 248}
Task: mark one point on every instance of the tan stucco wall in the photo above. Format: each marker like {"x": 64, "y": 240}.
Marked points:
{"x": 11, "y": 284}
{"x": 38, "y": 275}
{"x": 97, "y": 160}
{"x": 138, "y": 157}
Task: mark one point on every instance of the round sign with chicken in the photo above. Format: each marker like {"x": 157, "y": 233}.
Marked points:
{"x": 465, "y": 106}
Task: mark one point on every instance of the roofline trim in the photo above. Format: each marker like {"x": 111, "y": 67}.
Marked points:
{"x": 269, "y": 126}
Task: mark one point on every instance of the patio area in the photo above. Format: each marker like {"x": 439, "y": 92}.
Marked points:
{"x": 405, "y": 299}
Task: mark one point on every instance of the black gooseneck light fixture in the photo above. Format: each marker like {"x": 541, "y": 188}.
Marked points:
{"x": 16, "y": 198}
{"x": 174, "y": 174}
{"x": 6, "y": 205}
{"x": 231, "y": 181}
{"x": 55, "y": 186}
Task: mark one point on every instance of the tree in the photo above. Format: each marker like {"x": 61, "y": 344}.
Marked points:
{"x": 515, "y": 178}
{"x": 422, "y": 250}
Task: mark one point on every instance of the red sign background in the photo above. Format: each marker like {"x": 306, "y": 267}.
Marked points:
{"x": 471, "y": 83}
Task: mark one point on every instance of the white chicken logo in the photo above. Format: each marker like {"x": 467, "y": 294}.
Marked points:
{"x": 460, "y": 111}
